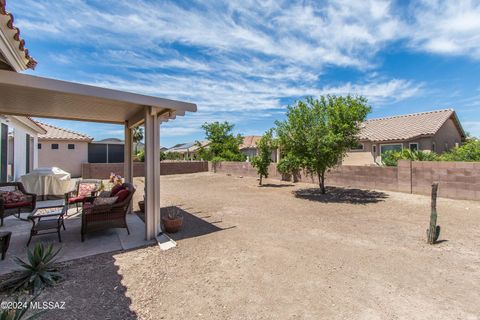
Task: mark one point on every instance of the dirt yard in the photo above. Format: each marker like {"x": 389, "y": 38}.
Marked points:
{"x": 281, "y": 251}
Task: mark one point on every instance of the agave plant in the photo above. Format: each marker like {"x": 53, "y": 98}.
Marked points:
{"x": 38, "y": 270}
{"x": 20, "y": 312}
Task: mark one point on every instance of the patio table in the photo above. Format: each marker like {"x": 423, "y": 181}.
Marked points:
{"x": 47, "y": 219}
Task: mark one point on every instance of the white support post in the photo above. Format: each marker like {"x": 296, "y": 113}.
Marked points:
{"x": 128, "y": 159}
{"x": 152, "y": 173}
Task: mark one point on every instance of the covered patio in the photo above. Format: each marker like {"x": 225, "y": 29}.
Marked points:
{"x": 26, "y": 95}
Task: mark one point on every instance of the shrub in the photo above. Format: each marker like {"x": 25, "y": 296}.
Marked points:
{"x": 469, "y": 151}
{"x": 390, "y": 158}
{"x": 290, "y": 166}
{"x": 38, "y": 270}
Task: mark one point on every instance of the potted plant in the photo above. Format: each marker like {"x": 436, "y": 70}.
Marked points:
{"x": 173, "y": 221}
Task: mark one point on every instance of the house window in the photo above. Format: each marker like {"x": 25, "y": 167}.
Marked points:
{"x": 54, "y": 146}
{"x": 71, "y": 146}
{"x": 390, "y": 147}
{"x": 358, "y": 147}
{"x": 413, "y": 146}
{"x": 434, "y": 149}
{"x": 39, "y": 146}
{"x": 374, "y": 149}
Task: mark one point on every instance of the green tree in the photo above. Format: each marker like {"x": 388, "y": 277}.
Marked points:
{"x": 319, "y": 132}
{"x": 469, "y": 152}
{"x": 223, "y": 143}
{"x": 264, "y": 157}
{"x": 137, "y": 137}
{"x": 289, "y": 166}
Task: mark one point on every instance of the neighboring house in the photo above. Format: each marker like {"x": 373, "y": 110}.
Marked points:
{"x": 249, "y": 148}
{"x": 18, "y": 154}
{"x": 188, "y": 150}
{"x": 62, "y": 148}
{"x": 109, "y": 150}
{"x": 436, "y": 131}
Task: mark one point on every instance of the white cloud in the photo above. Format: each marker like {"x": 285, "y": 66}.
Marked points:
{"x": 447, "y": 27}
{"x": 237, "y": 60}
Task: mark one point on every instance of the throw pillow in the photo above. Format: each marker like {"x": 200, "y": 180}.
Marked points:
{"x": 104, "y": 201}
{"x": 105, "y": 194}
{"x": 122, "y": 195}
{"x": 117, "y": 188}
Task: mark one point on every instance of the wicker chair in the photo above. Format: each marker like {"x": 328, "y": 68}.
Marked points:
{"x": 15, "y": 200}
{"x": 84, "y": 189}
{"x": 98, "y": 217}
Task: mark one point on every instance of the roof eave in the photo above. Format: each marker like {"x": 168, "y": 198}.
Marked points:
{"x": 459, "y": 125}
{"x": 11, "y": 45}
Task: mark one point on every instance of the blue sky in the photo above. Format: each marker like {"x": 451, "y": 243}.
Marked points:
{"x": 244, "y": 61}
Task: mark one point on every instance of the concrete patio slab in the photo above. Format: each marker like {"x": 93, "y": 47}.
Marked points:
{"x": 165, "y": 242}
{"x": 71, "y": 245}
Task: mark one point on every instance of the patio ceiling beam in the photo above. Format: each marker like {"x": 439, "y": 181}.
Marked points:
{"x": 28, "y": 95}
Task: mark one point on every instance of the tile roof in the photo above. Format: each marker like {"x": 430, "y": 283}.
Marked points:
{"x": 407, "y": 126}
{"x": 250, "y": 142}
{"x": 56, "y": 133}
{"x": 15, "y": 32}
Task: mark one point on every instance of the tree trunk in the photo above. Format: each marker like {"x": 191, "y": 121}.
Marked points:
{"x": 321, "y": 180}
{"x": 260, "y": 182}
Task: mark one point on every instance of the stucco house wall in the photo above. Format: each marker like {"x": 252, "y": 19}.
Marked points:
{"x": 69, "y": 160}
{"x": 17, "y": 147}
{"x": 447, "y": 137}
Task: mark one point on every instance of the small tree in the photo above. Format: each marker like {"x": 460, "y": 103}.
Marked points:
{"x": 223, "y": 143}
{"x": 137, "y": 137}
{"x": 320, "y": 132}
{"x": 262, "y": 161}
{"x": 289, "y": 166}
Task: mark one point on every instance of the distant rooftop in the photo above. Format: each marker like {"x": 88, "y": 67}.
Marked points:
{"x": 250, "y": 142}
{"x": 409, "y": 126}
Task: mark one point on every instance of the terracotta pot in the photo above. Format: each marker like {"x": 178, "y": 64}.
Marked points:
{"x": 172, "y": 225}
{"x": 141, "y": 204}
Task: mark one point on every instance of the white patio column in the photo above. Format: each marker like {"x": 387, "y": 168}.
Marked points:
{"x": 128, "y": 159}
{"x": 152, "y": 173}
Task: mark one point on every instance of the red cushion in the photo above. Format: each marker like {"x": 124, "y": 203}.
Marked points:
{"x": 117, "y": 188}
{"x": 122, "y": 195}
{"x": 76, "y": 199}
{"x": 17, "y": 204}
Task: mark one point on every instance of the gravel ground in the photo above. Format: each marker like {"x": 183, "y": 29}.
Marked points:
{"x": 282, "y": 251}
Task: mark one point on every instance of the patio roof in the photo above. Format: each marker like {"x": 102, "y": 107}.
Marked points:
{"x": 28, "y": 95}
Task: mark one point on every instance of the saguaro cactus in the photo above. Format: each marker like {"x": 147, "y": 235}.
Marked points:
{"x": 434, "y": 231}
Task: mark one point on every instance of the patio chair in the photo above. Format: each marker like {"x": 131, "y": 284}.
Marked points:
{"x": 104, "y": 216}
{"x": 84, "y": 189}
{"x": 15, "y": 200}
